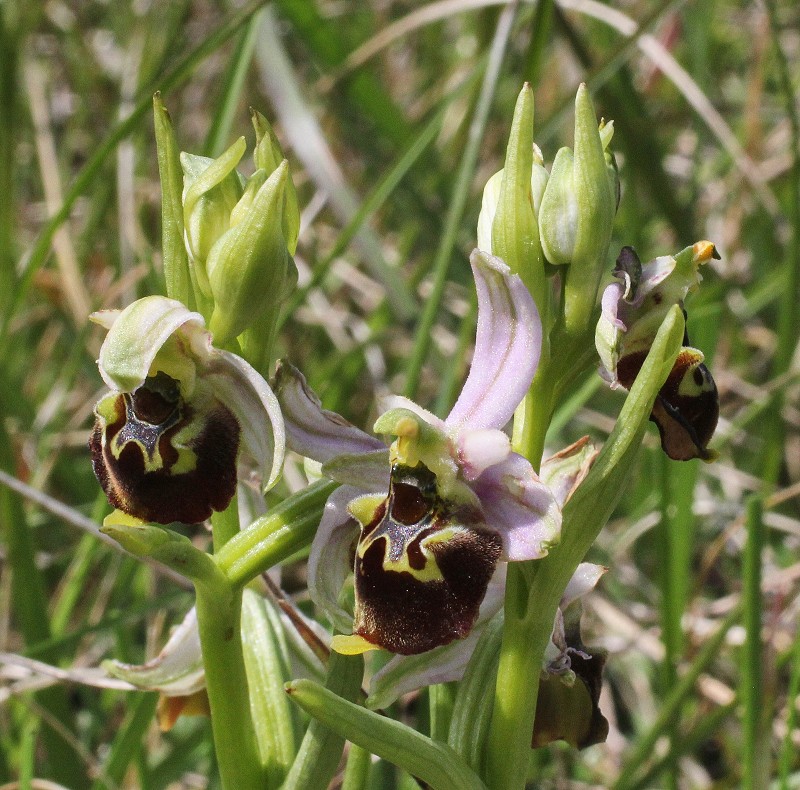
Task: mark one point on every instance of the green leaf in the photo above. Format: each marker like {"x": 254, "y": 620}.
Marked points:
{"x": 433, "y": 763}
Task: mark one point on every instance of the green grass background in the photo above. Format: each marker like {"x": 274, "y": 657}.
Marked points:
{"x": 375, "y": 105}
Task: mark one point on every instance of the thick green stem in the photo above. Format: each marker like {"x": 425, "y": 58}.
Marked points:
{"x": 527, "y": 627}
{"x": 219, "y": 613}
{"x": 532, "y": 418}
{"x": 225, "y": 525}
{"x": 272, "y": 538}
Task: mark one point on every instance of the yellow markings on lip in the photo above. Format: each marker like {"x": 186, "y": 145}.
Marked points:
{"x": 431, "y": 571}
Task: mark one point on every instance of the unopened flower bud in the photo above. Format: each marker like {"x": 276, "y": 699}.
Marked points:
{"x": 249, "y": 266}
{"x": 211, "y": 190}
{"x": 577, "y": 213}
{"x": 268, "y": 157}
{"x": 507, "y": 224}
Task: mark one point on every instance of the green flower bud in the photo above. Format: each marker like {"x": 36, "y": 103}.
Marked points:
{"x": 577, "y": 213}
{"x": 211, "y": 190}
{"x": 507, "y": 225}
{"x": 268, "y": 156}
{"x": 558, "y": 216}
{"x": 249, "y": 267}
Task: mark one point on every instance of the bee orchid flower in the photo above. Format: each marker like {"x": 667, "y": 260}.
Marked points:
{"x": 167, "y": 436}
{"x": 687, "y": 407}
{"x": 433, "y": 515}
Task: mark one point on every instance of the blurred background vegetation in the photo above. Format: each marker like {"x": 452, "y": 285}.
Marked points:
{"x": 393, "y": 115}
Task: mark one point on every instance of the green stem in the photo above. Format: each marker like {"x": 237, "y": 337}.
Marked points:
{"x": 322, "y": 746}
{"x": 534, "y": 589}
{"x": 219, "y": 613}
{"x": 527, "y": 627}
{"x": 357, "y": 771}
{"x": 225, "y": 525}
{"x": 533, "y": 417}
{"x": 440, "y": 702}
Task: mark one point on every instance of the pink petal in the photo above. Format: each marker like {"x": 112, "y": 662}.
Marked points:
{"x": 478, "y": 450}
{"x": 330, "y": 559}
{"x": 507, "y": 347}
{"x": 519, "y": 506}
{"x": 311, "y": 430}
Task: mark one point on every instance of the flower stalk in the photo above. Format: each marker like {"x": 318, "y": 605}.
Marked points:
{"x": 533, "y": 592}
{"x": 219, "y": 620}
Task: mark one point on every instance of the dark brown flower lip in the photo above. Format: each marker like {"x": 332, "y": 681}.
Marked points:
{"x": 178, "y": 471}
{"x": 421, "y": 568}
{"x": 686, "y": 421}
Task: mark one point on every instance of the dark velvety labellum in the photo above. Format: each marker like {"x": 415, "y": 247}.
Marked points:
{"x": 422, "y": 566}
{"x": 686, "y": 408}
{"x": 160, "y": 460}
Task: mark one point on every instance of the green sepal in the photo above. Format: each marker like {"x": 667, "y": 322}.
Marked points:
{"x": 434, "y": 763}
{"x": 165, "y": 546}
{"x": 597, "y": 205}
{"x": 558, "y": 214}
{"x": 577, "y": 213}
{"x": 175, "y": 259}
{"x": 212, "y": 188}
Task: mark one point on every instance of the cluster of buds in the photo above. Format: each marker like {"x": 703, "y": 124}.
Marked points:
{"x": 240, "y": 232}
{"x": 540, "y": 224}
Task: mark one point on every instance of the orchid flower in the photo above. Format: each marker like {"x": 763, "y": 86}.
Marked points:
{"x": 687, "y": 407}
{"x": 562, "y": 472}
{"x": 167, "y": 437}
{"x": 569, "y": 690}
{"x": 437, "y": 511}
